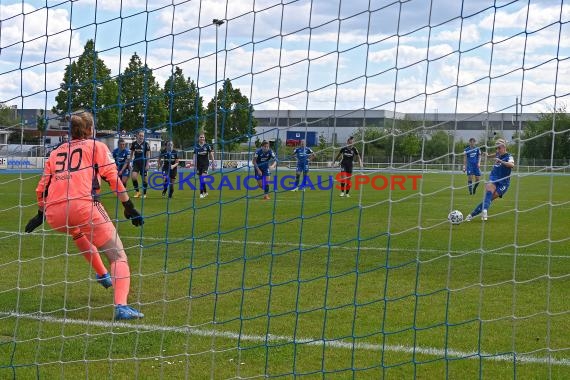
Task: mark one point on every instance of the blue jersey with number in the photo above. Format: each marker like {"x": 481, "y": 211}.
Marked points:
{"x": 264, "y": 158}
{"x": 121, "y": 156}
{"x": 501, "y": 173}
{"x": 473, "y": 155}
{"x": 303, "y": 154}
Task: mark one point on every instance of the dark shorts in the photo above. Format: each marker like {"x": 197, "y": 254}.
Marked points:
{"x": 202, "y": 169}
{"x": 139, "y": 167}
{"x": 346, "y": 168}
{"x": 170, "y": 173}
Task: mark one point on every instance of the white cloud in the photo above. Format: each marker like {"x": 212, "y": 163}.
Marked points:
{"x": 538, "y": 17}
{"x": 114, "y": 5}
{"x": 313, "y": 57}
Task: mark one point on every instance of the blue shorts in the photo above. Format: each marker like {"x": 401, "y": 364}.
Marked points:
{"x": 302, "y": 168}
{"x": 264, "y": 173}
{"x": 501, "y": 187}
{"x": 126, "y": 173}
{"x": 473, "y": 170}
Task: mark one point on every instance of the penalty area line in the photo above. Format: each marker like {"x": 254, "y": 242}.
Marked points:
{"x": 318, "y": 342}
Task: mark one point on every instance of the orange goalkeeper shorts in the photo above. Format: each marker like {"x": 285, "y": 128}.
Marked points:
{"x": 85, "y": 216}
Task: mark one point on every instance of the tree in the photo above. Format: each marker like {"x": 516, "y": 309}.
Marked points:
{"x": 7, "y": 116}
{"x": 459, "y": 150}
{"x": 185, "y": 108}
{"x": 141, "y": 98}
{"x": 538, "y": 135}
{"x": 440, "y": 146}
{"x": 409, "y": 145}
{"x": 378, "y": 142}
{"x": 87, "y": 84}
{"x": 41, "y": 124}
{"x": 322, "y": 153}
{"x": 235, "y": 117}
{"x": 408, "y": 142}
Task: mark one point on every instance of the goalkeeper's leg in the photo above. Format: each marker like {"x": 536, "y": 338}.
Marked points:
{"x": 90, "y": 253}
{"x": 121, "y": 276}
{"x": 65, "y": 222}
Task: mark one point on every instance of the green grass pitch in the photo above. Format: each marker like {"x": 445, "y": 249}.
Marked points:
{"x": 376, "y": 286}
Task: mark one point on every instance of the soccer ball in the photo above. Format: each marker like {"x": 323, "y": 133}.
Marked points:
{"x": 455, "y": 217}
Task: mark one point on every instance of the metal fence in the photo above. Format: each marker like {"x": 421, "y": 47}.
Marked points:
{"x": 15, "y": 156}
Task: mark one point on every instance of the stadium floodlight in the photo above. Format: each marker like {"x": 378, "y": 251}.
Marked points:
{"x": 217, "y": 23}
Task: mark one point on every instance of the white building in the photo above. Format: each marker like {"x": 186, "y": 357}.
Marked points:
{"x": 337, "y": 126}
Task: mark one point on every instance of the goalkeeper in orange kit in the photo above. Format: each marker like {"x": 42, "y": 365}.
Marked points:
{"x": 67, "y": 197}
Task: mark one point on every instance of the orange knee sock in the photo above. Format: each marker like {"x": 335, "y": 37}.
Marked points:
{"x": 90, "y": 253}
{"x": 121, "y": 276}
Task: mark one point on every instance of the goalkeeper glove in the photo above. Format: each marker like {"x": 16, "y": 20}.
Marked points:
{"x": 35, "y": 222}
{"x": 132, "y": 214}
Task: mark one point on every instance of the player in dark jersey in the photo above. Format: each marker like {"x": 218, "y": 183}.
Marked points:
{"x": 121, "y": 155}
{"x": 499, "y": 180}
{"x": 304, "y": 155}
{"x": 140, "y": 155}
{"x": 203, "y": 153}
{"x": 264, "y": 160}
{"x": 347, "y": 153}
{"x": 471, "y": 165}
{"x": 168, "y": 160}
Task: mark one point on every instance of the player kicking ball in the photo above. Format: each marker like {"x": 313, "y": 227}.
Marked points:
{"x": 499, "y": 180}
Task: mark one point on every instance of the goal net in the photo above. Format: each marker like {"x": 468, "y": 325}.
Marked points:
{"x": 309, "y": 273}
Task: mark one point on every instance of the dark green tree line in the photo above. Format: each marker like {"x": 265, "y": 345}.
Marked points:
{"x": 235, "y": 117}
{"x": 135, "y": 100}
{"x": 140, "y": 97}
{"x": 548, "y": 137}
{"x": 87, "y": 84}
{"x": 184, "y": 108}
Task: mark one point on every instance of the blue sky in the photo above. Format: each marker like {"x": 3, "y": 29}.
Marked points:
{"x": 416, "y": 56}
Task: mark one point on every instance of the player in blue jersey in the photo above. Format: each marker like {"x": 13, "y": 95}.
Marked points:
{"x": 304, "y": 155}
{"x": 264, "y": 160}
{"x": 203, "y": 153}
{"x": 472, "y": 165}
{"x": 121, "y": 155}
{"x": 499, "y": 180}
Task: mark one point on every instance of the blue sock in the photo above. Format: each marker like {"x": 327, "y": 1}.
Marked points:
{"x": 488, "y": 199}
{"x": 470, "y": 186}
{"x": 477, "y": 210}
{"x": 475, "y": 187}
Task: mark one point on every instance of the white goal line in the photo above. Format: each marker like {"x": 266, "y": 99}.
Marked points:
{"x": 319, "y": 342}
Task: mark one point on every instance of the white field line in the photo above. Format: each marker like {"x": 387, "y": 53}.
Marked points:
{"x": 309, "y": 245}
{"x": 431, "y": 351}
